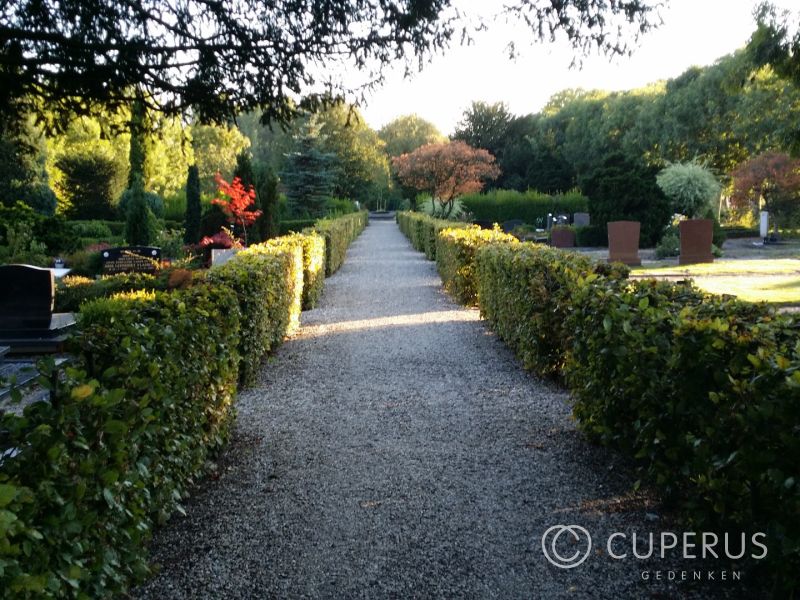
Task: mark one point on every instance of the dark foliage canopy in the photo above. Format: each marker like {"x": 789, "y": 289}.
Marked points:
{"x": 216, "y": 58}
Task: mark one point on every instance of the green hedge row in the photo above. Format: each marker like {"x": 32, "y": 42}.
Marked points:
{"x": 268, "y": 282}
{"x": 455, "y": 258}
{"x": 339, "y": 233}
{"x": 422, "y": 230}
{"x": 703, "y": 391}
{"x": 312, "y": 245}
{"x": 531, "y": 207}
{"x": 83, "y": 481}
{"x": 144, "y": 408}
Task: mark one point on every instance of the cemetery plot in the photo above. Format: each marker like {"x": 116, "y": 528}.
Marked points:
{"x": 131, "y": 259}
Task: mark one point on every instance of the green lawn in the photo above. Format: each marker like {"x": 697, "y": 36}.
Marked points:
{"x": 773, "y": 280}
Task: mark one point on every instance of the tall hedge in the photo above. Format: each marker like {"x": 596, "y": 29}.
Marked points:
{"x": 83, "y": 480}
{"x": 531, "y": 207}
{"x": 312, "y": 246}
{"x": 422, "y": 230}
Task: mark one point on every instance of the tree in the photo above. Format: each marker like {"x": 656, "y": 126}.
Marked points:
{"x": 87, "y": 184}
{"x": 691, "y": 188}
{"x": 446, "y": 171}
{"x": 244, "y": 169}
{"x": 138, "y": 148}
{"x": 771, "y": 180}
{"x": 140, "y": 223}
{"x": 485, "y": 126}
{"x": 218, "y": 59}
{"x": 193, "y": 207}
{"x": 407, "y": 133}
{"x": 216, "y": 148}
{"x": 267, "y": 196}
{"x": 361, "y": 165}
{"x": 236, "y": 200}
{"x": 624, "y": 190}
{"x": 309, "y": 175}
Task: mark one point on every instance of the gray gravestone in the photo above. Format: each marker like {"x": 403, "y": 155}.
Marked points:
{"x": 581, "y": 219}
{"x": 131, "y": 259}
{"x": 219, "y": 256}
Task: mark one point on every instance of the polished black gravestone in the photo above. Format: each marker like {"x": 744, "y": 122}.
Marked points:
{"x": 131, "y": 259}
{"x": 27, "y": 322}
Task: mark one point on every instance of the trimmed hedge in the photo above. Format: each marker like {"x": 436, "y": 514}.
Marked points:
{"x": 422, "y": 230}
{"x": 525, "y": 296}
{"x": 93, "y": 472}
{"x": 339, "y": 233}
{"x": 455, "y": 258}
{"x": 268, "y": 281}
{"x": 703, "y": 391}
{"x": 312, "y": 246}
{"x": 531, "y": 207}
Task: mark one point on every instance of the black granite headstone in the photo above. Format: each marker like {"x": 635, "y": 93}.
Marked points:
{"x": 130, "y": 259}
{"x": 27, "y": 294}
{"x": 27, "y": 322}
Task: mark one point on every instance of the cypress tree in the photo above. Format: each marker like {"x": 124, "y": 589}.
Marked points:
{"x": 141, "y": 226}
{"x": 267, "y": 198}
{"x": 193, "y": 208}
{"x": 138, "y": 149}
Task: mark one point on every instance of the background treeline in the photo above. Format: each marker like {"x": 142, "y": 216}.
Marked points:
{"x": 720, "y": 115}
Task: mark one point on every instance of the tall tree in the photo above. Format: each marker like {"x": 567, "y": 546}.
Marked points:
{"x": 309, "y": 175}
{"x": 222, "y": 58}
{"x": 407, "y": 133}
{"x": 446, "y": 171}
{"x": 485, "y": 126}
{"x": 138, "y": 150}
{"x": 193, "y": 207}
{"x": 215, "y": 150}
{"x": 266, "y": 182}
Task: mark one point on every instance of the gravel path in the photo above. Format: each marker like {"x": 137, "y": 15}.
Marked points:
{"x": 395, "y": 449}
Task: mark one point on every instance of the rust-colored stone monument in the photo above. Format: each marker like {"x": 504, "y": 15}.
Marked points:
{"x": 697, "y": 235}
{"x": 623, "y": 242}
{"x": 562, "y": 238}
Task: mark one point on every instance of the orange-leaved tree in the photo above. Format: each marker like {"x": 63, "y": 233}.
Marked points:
{"x": 446, "y": 170}
{"x": 771, "y": 179}
{"x": 235, "y": 200}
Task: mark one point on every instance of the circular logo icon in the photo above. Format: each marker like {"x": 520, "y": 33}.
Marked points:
{"x": 577, "y": 537}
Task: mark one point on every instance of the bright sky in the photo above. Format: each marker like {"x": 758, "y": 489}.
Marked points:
{"x": 695, "y": 32}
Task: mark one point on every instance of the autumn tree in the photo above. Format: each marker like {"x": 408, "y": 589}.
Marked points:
{"x": 236, "y": 201}
{"x": 446, "y": 170}
{"x": 770, "y": 181}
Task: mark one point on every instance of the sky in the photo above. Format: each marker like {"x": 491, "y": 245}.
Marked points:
{"x": 694, "y": 32}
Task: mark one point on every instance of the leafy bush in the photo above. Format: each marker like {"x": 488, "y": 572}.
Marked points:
{"x": 691, "y": 188}
{"x": 670, "y": 244}
{"x": 93, "y": 472}
{"x": 591, "y": 236}
{"x": 175, "y": 205}
{"x": 171, "y": 243}
{"x": 339, "y": 233}
{"x": 268, "y": 285}
{"x": 455, "y": 258}
{"x": 154, "y": 202}
{"x": 73, "y": 290}
{"x": 92, "y": 229}
{"x": 340, "y": 206}
{"x": 20, "y": 246}
{"x": 55, "y": 233}
{"x": 531, "y": 207}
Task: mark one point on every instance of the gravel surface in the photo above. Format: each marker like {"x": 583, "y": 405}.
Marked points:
{"x": 395, "y": 449}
